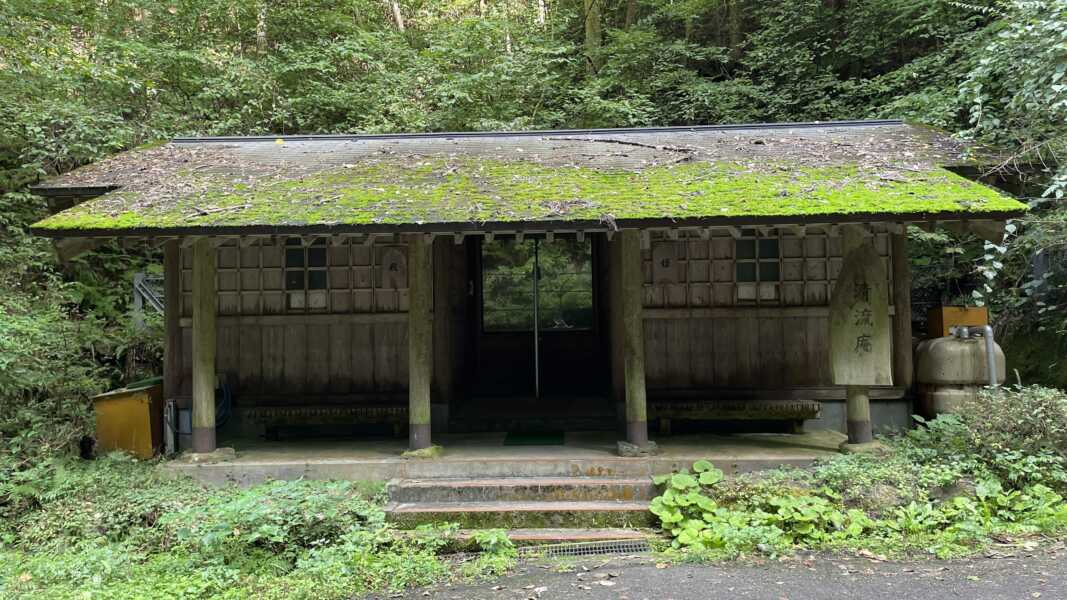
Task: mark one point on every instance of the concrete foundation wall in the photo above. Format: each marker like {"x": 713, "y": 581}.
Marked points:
{"x": 886, "y": 415}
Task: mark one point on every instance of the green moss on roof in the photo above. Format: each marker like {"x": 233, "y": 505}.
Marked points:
{"x": 460, "y": 191}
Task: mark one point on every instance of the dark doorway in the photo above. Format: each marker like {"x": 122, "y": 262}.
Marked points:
{"x": 538, "y": 327}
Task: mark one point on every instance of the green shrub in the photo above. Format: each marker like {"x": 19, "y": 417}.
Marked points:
{"x": 1018, "y": 434}
{"x": 112, "y": 499}
{"x": 278, "y": 516}
{"x": 120, "y": 528}
{"x": 1027, "y": 419}
{"x": 703, "y": 515}
{"x": 498, "y": 553}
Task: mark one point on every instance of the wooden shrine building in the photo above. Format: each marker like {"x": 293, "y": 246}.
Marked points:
{"x": 578, "y": 279}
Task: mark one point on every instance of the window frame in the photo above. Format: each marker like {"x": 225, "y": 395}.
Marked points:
{"x": 593, "y": 292}
{"x": 306, "y": 269}
{"x": 763, "y": 290}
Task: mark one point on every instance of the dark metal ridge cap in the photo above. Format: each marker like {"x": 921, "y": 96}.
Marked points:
{"x": 534, "y": 133}
{"x": 80, "y": 191}
{"x": 500, "y": 226}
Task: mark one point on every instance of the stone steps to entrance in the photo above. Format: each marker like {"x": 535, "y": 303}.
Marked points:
{"x": 532, "y": 505}
{"x": 524, "y": 515}
{"x": 517, "y": 489}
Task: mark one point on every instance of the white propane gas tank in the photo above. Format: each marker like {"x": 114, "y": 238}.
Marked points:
{"x": 950, "y": 370}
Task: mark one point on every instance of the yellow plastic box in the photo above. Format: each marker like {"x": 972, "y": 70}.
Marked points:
{"x": 942, "y": 318}
{"x": 130, "y": 419}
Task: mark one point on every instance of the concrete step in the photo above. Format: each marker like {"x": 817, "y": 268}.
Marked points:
{"x": 533, "y": 514}
{"x": 513, "y": 489}
{"x": 531, "y": 537}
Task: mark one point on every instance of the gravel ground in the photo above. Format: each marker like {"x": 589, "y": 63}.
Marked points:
{"x": 1007, "y": 573}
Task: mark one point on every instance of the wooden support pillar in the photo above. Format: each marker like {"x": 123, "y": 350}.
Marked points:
{"x": 420, "y": 340}
{"x": 903, "y": 358}
{"x": 633, "y": 339}
{"x": 172, "y": 298}
{"x": 205, "y": 302}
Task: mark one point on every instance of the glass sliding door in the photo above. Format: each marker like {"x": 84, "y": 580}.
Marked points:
{"x": 536, "y": 287}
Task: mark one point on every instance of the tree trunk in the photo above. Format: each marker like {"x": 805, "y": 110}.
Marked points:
{"x": 631, "y": 14}
{"x": 592, "y": 35}
{"x": 542, "y": 12}
{"x": 398, "y": 17}
{"x": 261, "y": 28}
{"x": 733, "y": 25}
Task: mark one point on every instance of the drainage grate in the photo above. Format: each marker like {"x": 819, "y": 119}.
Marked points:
{"x": 634, "y": 546}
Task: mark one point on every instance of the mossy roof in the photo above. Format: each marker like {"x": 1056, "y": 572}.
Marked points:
{"x": 782, "y": 174}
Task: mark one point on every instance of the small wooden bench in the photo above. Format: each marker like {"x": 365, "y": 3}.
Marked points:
{"x": 737, "y": 406}
{"x": 275, "y": 417}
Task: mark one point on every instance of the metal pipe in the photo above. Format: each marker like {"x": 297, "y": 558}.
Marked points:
{"x": 986, "y": 331}
{"x": 990, "y": 356}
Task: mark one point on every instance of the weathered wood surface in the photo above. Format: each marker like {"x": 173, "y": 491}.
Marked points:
{"x": 251, "y": 280}
{"x": 357, "y": 349}
{"x": 204, "y": 338}
{"x": 420, "y": 341}
{"x": 860, "y": 328}
{"x": 633, "y": 337}
{"x": 449, "y": 324}
{"x": 690, "y": 341}
{"x": 172, "y": 341}
{"x": 350, "y": 356}
{"x": 903, "y": 354}
{"x": 744, "y": 347}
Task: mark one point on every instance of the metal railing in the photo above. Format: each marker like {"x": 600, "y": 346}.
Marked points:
{"x": 147, "y": 290}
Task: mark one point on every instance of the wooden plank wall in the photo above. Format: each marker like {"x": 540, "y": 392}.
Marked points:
{"x": 699, "y": 334}
{"x": 352, "y": 349}
{"x": 294, "y": 356}
{"x": 736, "y": 347}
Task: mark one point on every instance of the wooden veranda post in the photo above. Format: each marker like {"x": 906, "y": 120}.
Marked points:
{"x": 633, "y": 340}
{"x": 204, "y": 334}
{"x": 420, "y": 340}
{"x": 903, "y": 367}
{"x": 172, "y": 342}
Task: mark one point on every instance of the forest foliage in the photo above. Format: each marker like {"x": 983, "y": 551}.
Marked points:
{"x": 81, "y": 79}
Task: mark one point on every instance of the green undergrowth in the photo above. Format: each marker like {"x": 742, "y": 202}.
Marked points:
{"x": 947, "y": 488}
{"x": 116, "y": 528}
{"x": 435, "y": 190}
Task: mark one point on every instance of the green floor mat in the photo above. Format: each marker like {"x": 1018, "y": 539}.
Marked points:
{"x": 535, "y": 438}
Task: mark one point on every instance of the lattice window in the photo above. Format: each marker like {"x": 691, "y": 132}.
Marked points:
{"x": 296, "y": 276}
{"x": 757, "y": 266}
{"x": 306, "y": 276}
{"x": 772, "y": 267}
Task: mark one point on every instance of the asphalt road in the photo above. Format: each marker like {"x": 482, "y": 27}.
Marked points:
{"x": 1008, "y": 573}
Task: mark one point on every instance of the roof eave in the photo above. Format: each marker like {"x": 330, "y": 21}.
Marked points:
{"x": 506, "y": 226}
